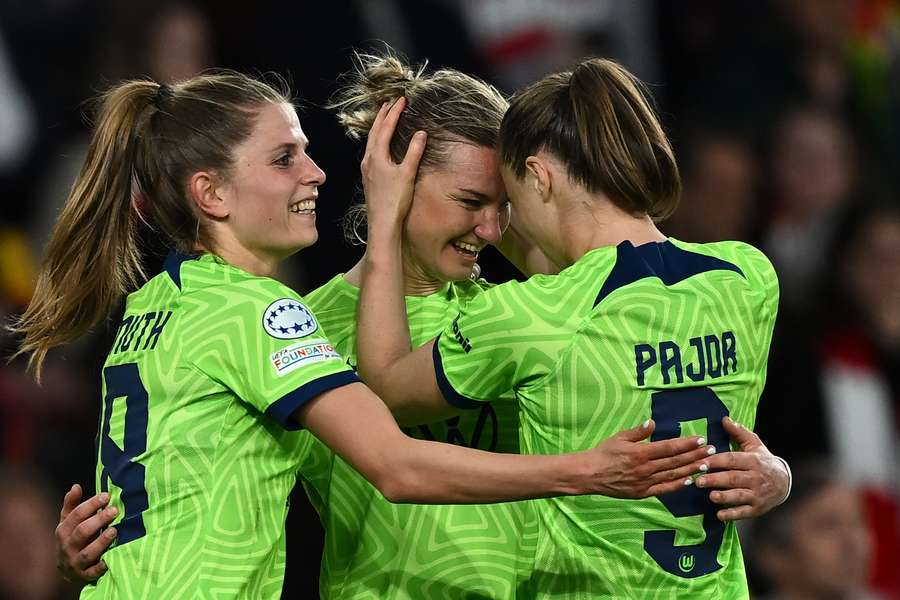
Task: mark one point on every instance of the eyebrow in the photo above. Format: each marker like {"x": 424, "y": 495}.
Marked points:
{"x": 481, "y": 195}
{"x": 289, "y": 146}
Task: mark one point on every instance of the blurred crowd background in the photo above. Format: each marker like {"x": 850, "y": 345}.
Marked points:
{"x": 785, "y": 115}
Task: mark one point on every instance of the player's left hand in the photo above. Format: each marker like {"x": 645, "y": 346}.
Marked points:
{"x": 750, "y": 481}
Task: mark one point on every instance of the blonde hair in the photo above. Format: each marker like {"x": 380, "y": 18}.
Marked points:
{"x": 148, "y": 140}
{"x": 447, "y": 104}
{"x": 597, "y": 120}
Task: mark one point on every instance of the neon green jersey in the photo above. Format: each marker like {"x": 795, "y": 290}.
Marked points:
{"x": 674, "y": 331}
{"x": 374, "y": 549}
{"x": 197, "y": 446}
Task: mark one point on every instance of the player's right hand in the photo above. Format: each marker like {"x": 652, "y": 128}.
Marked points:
{"x": 389, "y": 186}
{"x": 79, "y": 541}
{"x": 631, "y": 468}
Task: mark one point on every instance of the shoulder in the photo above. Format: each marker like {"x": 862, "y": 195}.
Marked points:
{"x": 557, "y": 302}
{"x": 740, "y": 253}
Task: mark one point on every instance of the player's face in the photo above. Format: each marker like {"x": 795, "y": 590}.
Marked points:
{"x": 457, "y": 210}
{"x": 532, "y": 215}
{"x": 273, "y": 187}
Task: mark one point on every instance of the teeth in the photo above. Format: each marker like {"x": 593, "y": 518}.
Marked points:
{"x": 304, "y": 206}
{"x": 467, "y": 247}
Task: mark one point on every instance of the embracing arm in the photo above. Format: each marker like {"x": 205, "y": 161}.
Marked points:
{"x": 353, "y": 422}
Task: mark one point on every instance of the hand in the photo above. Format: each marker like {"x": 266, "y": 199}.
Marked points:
{"x": 389, "y": 186}
{"x": 634, "y": 469}
{"x": 750, "y": 482}
{"x": 79, "y": 543}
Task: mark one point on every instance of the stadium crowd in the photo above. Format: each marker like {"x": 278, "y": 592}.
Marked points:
{"x": 785, "y": 115}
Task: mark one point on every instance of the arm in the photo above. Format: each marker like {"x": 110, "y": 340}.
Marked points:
{"x": 79, "y": 541}
{"x": 409, "y": 470}
{"x": 404, "y": 380}
{"x": 749, "y": 482}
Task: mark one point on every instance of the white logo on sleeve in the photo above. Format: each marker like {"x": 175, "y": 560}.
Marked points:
{"x": 303, "y": 353}
{"x": 287, "y": 319}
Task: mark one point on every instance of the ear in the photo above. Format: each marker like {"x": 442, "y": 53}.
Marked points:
{"x": 206, "y": 192}
{"x": 538, "y": 175}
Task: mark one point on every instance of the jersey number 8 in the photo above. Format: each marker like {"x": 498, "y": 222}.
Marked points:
{"x": 118, "y": 464}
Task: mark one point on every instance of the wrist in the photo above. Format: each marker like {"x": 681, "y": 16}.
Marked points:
{"x": 578, "y": 475}
{"x": 790, "y": 479}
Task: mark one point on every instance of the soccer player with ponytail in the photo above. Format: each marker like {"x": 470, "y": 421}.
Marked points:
{"x": 216, "y": 366}
{"x": 634, "y": 326}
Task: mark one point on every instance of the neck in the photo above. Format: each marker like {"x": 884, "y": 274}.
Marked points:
{"x": 414, "y": 283}
{"x": 593, "y": 221}
{"x": 244, "y": 259}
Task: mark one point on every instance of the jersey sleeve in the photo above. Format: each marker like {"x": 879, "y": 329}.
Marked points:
{"x": 270, "y": 350}
{"x": 498, "y": 342}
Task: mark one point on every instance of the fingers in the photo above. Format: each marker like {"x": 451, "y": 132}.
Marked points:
{"x": 696, "y": 461}
{"x": 88, "y": 508}
{"x": 668, "y": 486}
{"x": 383, "y": 128}
{"x": 736, "y": 513}
{"x": 89, "y": 556}
{"x": 746, "y": 439}
{"x": 733, "y": 497}
{"x": 734, "y": 461}
{"x": 733, "y": 479}
{"x": 675, "y": 446}
{"x": 636, "y": 434}
{"x": 95, "y": 572}
{"x": 70, "y": 501}
{"x": 414, "y": 151}
{"x": 87, "y": 530}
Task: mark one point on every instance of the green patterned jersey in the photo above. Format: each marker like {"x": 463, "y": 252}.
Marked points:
{"x": 197, "y": 446}
{"x": 375, "y": 549}
{"x": 674, "y": 331}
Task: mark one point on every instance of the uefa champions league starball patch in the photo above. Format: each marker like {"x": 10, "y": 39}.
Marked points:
{"x": 287, "y": 319}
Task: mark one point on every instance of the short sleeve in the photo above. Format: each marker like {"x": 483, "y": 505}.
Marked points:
{"x": 270, "y": 350}
{"x": 490, "y": 348}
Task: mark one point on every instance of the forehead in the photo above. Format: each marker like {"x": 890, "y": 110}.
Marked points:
{"x": 275, "y": 125}
{"x": 471, "y": 167}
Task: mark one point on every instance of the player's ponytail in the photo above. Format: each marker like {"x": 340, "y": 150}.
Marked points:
{"x": 597, "y": 120}
{"x": 148, "y": 141}
{"x": 92, "y": 256}
{"x": 448, "y": 105}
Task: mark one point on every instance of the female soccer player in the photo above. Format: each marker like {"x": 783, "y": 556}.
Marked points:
{"x": 635, "y": 325}
{"x": 215, "y": 364}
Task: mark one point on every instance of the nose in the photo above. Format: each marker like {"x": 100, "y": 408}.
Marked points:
{"x": 311, "y": 174}
{"x": 489, "y": 228}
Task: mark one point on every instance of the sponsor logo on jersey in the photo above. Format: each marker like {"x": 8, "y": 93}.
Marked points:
{"x": 463, "y": 340}
{"x": 288, "y": 319}
{"x": 303, "y": 353}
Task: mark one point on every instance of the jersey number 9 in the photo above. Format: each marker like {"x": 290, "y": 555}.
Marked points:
{"x": 670, "y": 408}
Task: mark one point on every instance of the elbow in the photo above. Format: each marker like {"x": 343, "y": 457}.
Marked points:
{"x": 397, "y": 485}
{"x": 396, "y": 489}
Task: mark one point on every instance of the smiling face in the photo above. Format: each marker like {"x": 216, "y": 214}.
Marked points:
{"x": 271, "y": 190}
{"x": 457, "y": 210}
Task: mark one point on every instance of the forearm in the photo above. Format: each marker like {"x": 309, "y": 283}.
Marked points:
{"x": 425, "y": 472}
{"x": 409, "y": 470}
{"x": 382, "y": 327}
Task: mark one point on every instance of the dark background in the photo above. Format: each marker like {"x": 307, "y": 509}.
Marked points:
{"x": 785, "y": 118}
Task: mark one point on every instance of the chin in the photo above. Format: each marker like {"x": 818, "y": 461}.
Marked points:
{"x": 456, "y": 273}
